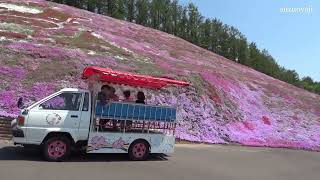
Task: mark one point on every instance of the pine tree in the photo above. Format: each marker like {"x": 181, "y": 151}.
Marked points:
{"x": 193, "y": 24}
{"x": 205, "y": 34}
{"x": 176, "y": 11}
{"x": 183, "y": 24}
{"x": 130, "y": 10}
{"x": 166, "y": 16}
{"x": 142, "y": 16}
{"x": 155, "y": 14}
{"x": 242, "y": 50}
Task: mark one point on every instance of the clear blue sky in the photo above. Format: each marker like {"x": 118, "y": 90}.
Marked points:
{"x": 293, "y": 39}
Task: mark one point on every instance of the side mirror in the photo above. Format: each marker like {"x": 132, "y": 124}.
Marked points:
{"x": 20, "y": 103}
{"x": 41, "y": 106}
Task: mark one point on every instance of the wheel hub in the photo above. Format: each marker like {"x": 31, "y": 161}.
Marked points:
{"x": 56, "y": 149}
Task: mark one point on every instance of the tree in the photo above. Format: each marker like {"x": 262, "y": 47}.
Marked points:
{"x": 142, "y": 16}
{"x": 307, "y": 83}
{"x": 253, "y": 55}
{"x": 176, "y": 11}
{"x": 317, "y": 88}
{"x": 193, "y": 24}
{"x": 155, "y": 13}
{"x": 130, "y": 10}
{"x": 233, "y": 43}
{"x": 205, "y": 34}
{"x": 182, "y": 25}
{"x": 166, "y": 16}
{"x": 243, "y": 50}
{"x": 119, "y": 11}
{"x": 215, "y": 40}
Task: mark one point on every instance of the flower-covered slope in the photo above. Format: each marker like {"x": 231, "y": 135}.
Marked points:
{"x": 45, "y": 46}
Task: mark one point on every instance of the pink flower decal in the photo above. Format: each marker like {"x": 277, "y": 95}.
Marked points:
{"x": 53, "y": 119}
{"x": 98, "y": 142}
{"x": 118, "y": 143}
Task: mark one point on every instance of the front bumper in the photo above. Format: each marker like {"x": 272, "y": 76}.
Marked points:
{"x": 17, "y": 133}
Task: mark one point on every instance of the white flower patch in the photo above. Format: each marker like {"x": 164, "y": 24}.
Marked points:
{"x": 12, "y": 27}
{"x": 50, "y": 39}
{"x": 115, "y": 45}
{"x": 23, "y": 9}
{"x": 91, "y": 52}
{"x": 55, "y": 19}
{"x": 2, "y": 38}
{"x": 23, "y": 41}
{"x": 68, "y": 20}
{"x": 119, "y": 57}
{"x": 126, "y": 49}
{"x": 96, "y": 35}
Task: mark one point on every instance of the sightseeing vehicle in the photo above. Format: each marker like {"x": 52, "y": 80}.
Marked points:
{"x": 74, "y": 119}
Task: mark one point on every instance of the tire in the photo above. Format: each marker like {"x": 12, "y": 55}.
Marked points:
{"x": 56, "y": 149}
{"x": 139, "y": 150}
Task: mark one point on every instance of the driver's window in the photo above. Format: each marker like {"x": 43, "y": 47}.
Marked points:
{"x": 65, "y": 101}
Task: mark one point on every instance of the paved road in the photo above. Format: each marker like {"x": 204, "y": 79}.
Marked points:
{"x": 192, "y": 162}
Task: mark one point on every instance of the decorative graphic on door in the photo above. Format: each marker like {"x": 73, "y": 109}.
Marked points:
{"x": 98, "y": 142}
{"x": 53, "y": 119}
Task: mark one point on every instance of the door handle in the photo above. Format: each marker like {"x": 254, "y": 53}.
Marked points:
{"x": 74, "y": 116}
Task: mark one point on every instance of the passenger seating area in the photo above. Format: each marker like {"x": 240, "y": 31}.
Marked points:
{"x": 134, "y": 111}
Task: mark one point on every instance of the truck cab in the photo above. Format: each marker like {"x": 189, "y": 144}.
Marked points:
{"x": 67, "y": 111}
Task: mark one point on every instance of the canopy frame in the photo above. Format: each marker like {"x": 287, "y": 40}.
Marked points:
{"x": 107, "y": 75}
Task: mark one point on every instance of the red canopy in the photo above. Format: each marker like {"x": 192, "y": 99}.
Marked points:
{"x": 108, "y": 75}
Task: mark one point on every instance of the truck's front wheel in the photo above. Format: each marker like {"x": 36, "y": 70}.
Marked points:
{"x": 56, "y": 148}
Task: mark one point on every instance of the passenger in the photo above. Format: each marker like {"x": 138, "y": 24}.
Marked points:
{"x": 127, "y": 96}
{"x": 104, "y": 94}
{"x": 113, "y": 95}
{"x": 107, "y": 93}
{"x": 140, "y": 97}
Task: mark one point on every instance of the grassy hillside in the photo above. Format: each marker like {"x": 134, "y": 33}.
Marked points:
{"x": 45, "y": 46}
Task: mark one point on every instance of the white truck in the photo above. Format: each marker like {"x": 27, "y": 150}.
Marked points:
{"x": 75, "y": 119}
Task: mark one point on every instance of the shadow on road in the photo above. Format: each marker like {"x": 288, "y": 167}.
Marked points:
{"x": 34, "y": 154}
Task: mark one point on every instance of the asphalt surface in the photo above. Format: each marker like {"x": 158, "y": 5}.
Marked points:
{"x": 210, "y": 162}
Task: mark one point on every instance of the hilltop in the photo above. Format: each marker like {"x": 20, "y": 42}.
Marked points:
{"x": 45, "y": 46}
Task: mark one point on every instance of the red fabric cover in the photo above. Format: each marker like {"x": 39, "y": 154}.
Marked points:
{"x": 108, "y": 75}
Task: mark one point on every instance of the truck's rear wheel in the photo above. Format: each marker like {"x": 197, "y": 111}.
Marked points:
{"x": 139, "y": 150}
{"x": 56, "y": 148}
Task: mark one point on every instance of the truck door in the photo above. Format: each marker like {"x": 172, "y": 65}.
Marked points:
{"x": 85, "y": 117}
{"x": 59, "y": 113}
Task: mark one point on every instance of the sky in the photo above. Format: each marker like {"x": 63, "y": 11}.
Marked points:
{"x": 292, "y": 38}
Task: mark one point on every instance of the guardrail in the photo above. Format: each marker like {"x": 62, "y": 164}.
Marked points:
{"x": 5, "y": 128}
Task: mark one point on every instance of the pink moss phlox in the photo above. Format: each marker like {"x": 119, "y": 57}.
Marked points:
{"x": 248, "y": 125}
{"x": 43, "y": 51}
{"x": 266, "y": 120}
{"x": 12, "y": 71}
